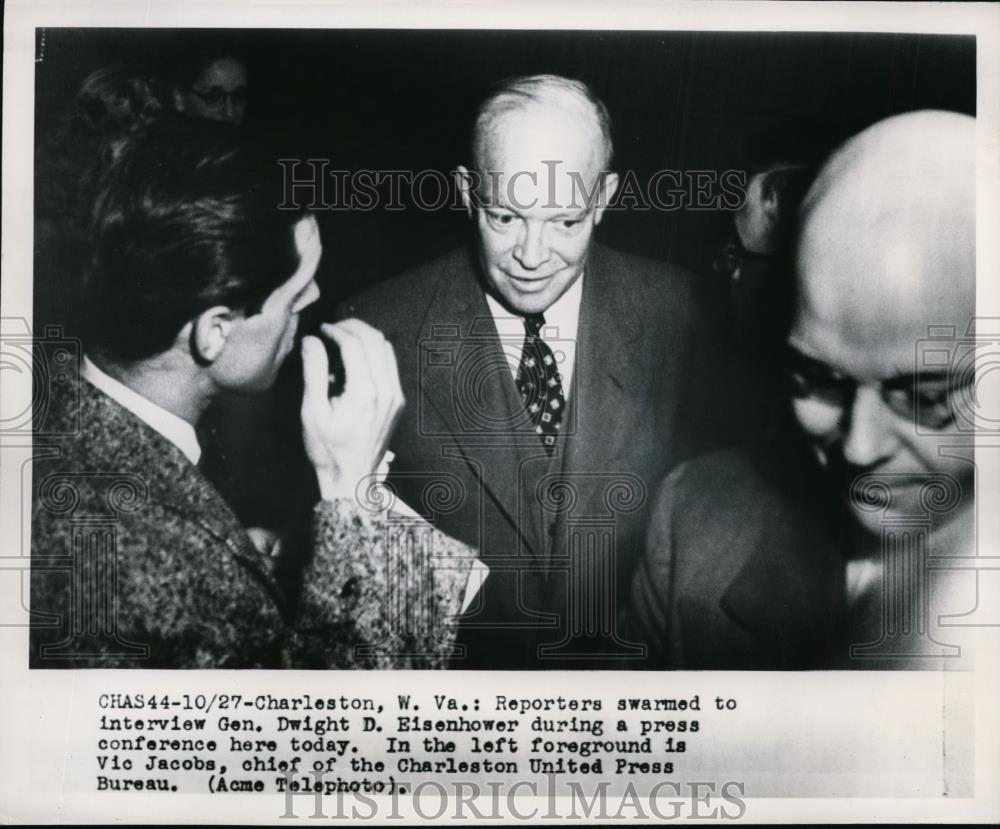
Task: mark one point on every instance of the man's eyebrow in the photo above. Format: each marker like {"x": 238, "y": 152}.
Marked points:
{"x": 801, "y": 357}
{"x": 577, "y": 213}
{"x": 906, "y": 378}
{"x": 909, "y": 378}
{"x": 494, "y": 205}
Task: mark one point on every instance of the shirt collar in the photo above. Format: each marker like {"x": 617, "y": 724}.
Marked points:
{"x": 175, "y": 429}
{"x": 561, "y": 317}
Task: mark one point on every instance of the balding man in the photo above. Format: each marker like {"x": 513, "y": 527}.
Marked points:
{"x": 550, "y": 382}
{"x": 812, "y": 551}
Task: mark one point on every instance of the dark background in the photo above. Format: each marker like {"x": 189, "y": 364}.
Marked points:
{"x": 405, "y": 100}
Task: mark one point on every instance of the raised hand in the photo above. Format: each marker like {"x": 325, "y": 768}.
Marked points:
{"x": 346, "y": 436}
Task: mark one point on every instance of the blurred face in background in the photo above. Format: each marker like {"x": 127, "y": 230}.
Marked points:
{"x": 218, "y": 93}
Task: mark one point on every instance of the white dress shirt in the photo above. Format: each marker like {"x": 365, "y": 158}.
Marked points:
{"x": 562, "y": 320}
{"x": 175, "y": 429}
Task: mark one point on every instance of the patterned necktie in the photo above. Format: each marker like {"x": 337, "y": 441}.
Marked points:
{"x": 540, "y": 383}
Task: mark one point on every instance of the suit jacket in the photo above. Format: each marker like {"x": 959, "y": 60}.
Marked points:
{"x": 745, "y": 568}
{"x": 559, "y": 535}
{"x": 137, "y": 561}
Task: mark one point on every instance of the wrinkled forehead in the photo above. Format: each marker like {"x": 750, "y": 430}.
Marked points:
{"x": 541, "y": 155}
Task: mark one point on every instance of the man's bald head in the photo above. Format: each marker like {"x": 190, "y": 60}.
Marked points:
{"x": 886, "y": 250}
{"x": 887, "y": 245}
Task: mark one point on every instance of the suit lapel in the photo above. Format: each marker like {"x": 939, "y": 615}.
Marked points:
{"x": 465, "y": 378}
{"x": 790, "y": 590}
{"x": 605, "y": 397}
{"x": 123, "y": 441}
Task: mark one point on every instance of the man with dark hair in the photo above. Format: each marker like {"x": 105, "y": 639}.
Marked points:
{"x": 111, "y": 104}
{"x": 551, "y": 382}
{"x": 196, "y": 288}
{"x": 167, "y": 245}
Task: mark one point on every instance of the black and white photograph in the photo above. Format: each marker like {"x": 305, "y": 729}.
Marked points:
{"x": 555, "y": 367}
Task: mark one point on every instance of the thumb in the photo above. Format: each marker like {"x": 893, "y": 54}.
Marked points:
{"x": 315, "y": 373}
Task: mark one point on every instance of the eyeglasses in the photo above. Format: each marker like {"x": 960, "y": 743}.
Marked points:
{"x": 214, "y": 97}
{"x": 926, "y": 398}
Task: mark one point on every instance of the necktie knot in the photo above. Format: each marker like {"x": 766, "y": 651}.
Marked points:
{"x": 533, "y": 324}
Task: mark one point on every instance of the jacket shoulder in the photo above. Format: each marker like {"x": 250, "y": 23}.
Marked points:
{"x": 390, "y": 303}
{"x": 758, "y": 479}
{"x": 661, "y": 291}
{"x": 713, "y": 510}
{"x": 705, "y": 518}
{"x": 643, "y": 271}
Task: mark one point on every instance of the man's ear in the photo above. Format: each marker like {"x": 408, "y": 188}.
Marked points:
{"x": 608, "y": 189}
{"x": 467, "y": 186}
{"x": 770, "y": 195}
{"x": 209, "y": 333}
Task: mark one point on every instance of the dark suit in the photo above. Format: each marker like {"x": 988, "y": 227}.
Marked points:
{"x": 137, "y": 561}
{"x": 560, "y": 535}
{"x": 745, "y": 568}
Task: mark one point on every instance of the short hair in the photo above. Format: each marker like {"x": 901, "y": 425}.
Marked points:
{"x": 514, "y": 94}
{"x": 184, "y": 220}
{"x": 197, "y": 54}
{"x": 115, "y": 101}
{"x": 111, "y": 103}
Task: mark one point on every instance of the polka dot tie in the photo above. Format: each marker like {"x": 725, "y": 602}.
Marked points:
{"x": 540, "y": 383}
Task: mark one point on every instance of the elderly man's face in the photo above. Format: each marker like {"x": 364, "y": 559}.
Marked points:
{"x": 857, "y": 388}
{"x": 541, "y": 194}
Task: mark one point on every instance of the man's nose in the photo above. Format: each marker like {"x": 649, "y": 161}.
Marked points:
{"x": 532, "y": 250}
{"x": 312, "y": 293}
{"x": 870, "y": 437}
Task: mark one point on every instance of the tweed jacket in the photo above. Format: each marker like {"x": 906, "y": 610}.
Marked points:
{"x": 559, "y": 535}
{"x": 137, "y": 561}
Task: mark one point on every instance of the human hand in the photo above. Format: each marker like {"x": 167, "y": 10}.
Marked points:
{"x": 346, "y": 436}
